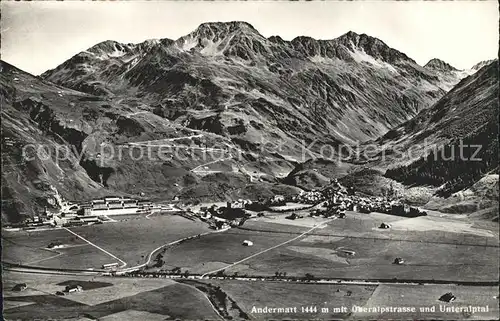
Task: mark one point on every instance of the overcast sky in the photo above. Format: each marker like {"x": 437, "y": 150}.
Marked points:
{"x": 37, "y": 36}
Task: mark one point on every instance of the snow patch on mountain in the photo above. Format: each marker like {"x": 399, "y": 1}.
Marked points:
{"x": 212, "y": 48}
{"x": 361, "y": 56}
{"x": 188, "y": 43}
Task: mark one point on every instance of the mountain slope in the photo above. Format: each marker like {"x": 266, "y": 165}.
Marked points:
{"x": 95, "y": 70}
{"x": 352, "y": 88}
{"x": 58, "y": 143}
{"x": 469, "y": 106}
{"x": 458, "y": 137}
{"x": 31, "y": 133}
{"x": 224, "y": 111}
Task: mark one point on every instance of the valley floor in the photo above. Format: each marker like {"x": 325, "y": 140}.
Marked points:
{"x": 435, "y": 248}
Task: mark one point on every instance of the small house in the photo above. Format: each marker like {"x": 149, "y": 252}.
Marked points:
{"x": 448, "y": 297}
{"x": 55, "y": 245}
{"x": 247, "y": 243}
{"x": 384, "y": 226}
{"x": 20, "y": 287}
{"x": 73, "y": 288}
{"x": 398, "y": 261}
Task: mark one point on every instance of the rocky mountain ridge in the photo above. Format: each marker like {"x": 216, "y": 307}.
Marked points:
{"x": 222, "y": 75}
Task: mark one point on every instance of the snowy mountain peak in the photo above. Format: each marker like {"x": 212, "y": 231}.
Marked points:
{"x": 438, "y": 64}
{"x": 233, "y": 38}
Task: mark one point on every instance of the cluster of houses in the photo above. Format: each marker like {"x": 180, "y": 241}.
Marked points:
{"x": 36, "y": 222}
{"x": 96, "y": 211}
{"x": 333, "y": 200}
{"x": 311, "y": 197}
{"x": 71, "y": 214}
{"x": 233, "y": 214}
{"x": 337, "y": 199}
{"x": 236, "y": 212}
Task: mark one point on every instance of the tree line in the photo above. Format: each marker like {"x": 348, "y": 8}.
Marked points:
{"x": 455, "y": 166}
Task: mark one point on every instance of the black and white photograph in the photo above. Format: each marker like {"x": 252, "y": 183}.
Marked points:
{"x": 249, "y": 160}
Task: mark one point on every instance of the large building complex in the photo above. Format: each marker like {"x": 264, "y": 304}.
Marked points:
{"x": 116, "y": 206}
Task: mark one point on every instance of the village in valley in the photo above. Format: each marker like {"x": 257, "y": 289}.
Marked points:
{"x": 331, "y": 201}
{"x": 249, "y": 160}
{"x": 214, "y": 246}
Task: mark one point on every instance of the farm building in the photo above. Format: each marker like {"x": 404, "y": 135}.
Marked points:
{"x": 385, "y": 226}
{"x": 110, "y": 265}
{"x": 247, "y": 243}
{"x": 55, "y": 245}
{"x": 73, "y": 288}
{"x": 349, "y": 252}
{"x": 407, "y": 211}
{"x": 20, "y": 287}
{"x": 90, "y": 219}
{"x": 448, "y": 297}
{"x": 219, "y": 225}
{"x": 398, "y": 261}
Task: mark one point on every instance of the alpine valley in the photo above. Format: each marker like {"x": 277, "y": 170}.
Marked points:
{"x": 250, "y": 116}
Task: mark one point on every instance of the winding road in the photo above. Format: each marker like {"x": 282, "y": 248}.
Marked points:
{"x": 267, "y": 250}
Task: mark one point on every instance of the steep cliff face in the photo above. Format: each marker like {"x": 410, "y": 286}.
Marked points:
{"x": 34, "y": 145}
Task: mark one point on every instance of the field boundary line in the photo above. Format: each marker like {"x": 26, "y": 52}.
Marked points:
{"x": 97, "y": 247}
{"x": 150, "y": 256}
{"x": 45, "y": 259}
{"x": 269, "y": 249}
{"x": 206, "y": 297}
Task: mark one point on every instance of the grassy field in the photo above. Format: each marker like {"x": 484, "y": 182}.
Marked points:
{"x": 103, "y": 298}
{"x": 373, "y": 259}
{"x": 219, "y": 249}
{"x": 29, "y": 248}
{"x": 433, "y": 247}
{"x": 428, "y": 296}
{"x": 429, "y": 228}
{"x": 279, "y": 295}
{"x": 130, "y": 240}
{"x": 446, "y": 251}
